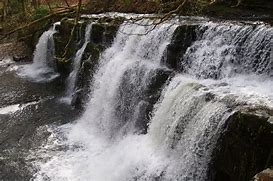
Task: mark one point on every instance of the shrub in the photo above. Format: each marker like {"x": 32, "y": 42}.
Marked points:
{"x": 40, "y": 12}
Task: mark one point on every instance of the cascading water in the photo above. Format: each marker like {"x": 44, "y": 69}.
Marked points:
{"x": 113, "y": 140}
{"x": 43, "y": 67}
{"x": 71, "y": 81}
{"x": 226, "y": 49}
{"x": 128, "y": 55}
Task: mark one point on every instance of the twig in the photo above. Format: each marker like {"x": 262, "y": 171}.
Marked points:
{"x": 34, "y": 22}
{"x": 157, "y": 21}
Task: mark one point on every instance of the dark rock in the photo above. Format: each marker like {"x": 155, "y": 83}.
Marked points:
{"x": 183, "y": 37}
{"x": 135, "y": 100}
{"x": 21, "y": 58}
{"x": 88, "y": 67}
{"x": 97, "y": 33}
{"x": 102, "y": 35}
{"x": 61, "y": 38}
{"x": 153, "y": 93}
{"x": 245, "y": 148}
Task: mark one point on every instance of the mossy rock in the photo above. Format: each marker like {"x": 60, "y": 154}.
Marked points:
{"x": 61, "y": 39}
{"x": 102, "y": 35}
{"x": 88, "y": 66}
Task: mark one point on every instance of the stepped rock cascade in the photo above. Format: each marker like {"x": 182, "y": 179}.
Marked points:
{"x": 43, "y": 67}
{"x": 145, "y": 121}
{"x": 129, "y": 60}
{"x": 223, "y": 50}
{"x": 185, "y": 120}
{"x": 71, "y": 81}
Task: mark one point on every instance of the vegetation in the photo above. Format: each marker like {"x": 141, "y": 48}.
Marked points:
{"x": 15, "y": 14}
{"x": 18, "y": 15}
{"x": 40, "y": 12}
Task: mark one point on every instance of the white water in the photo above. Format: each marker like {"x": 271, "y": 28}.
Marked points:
{"x": 185, "y": 124}
{"x": 227, "y": 49}
{"x": 14, "y": 108}
{"x": 71, "y": 81}
{"x": 43, "y": 67}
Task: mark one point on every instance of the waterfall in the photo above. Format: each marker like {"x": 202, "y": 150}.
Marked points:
{"x": 134, "y": 60}
{"x": 184, "y": 121}
{"x": 223, "y": 50}
{"x": 137, "y": 128}
{"x": 71, "y": 81}
{"x": 43, "y": 67}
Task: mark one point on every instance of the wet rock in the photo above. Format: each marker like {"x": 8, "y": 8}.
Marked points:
{"x": 153, "y": 93}
{"x": 89, "y": 61}
{"x": 102, "y": 35}
{"x": 245, "y": 148}
{"x": 137, "y": 99}
{"x": 21, "y": 58}
{"x": 61, "y": 38}
{"x": 183, "y": 37}
{"x": 97, "y": 33}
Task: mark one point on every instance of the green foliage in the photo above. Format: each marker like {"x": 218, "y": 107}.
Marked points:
{"x": 15, "y": 6}
{"x": 127, "y": 2}
{"x": 40, "y": 12}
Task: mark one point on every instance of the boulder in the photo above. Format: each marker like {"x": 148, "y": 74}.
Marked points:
{"x": 246, "y": 147}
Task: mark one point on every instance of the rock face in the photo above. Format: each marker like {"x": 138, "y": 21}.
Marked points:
{"x": 245, "y": 148}
{"x": 183, "y": 37}
{"x": 102, "y": 34}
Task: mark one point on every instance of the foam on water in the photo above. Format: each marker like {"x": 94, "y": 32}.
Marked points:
{"x": 14, "y": 108}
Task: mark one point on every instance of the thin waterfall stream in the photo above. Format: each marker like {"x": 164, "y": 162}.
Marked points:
{"x": 43, "y": 67}
{"x": 71, "y": 81}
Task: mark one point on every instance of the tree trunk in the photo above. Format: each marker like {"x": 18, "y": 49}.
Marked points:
{"x": 23, "y": 6}
{"x": 35, "y": 4}
{"x": 66, "y": 3}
